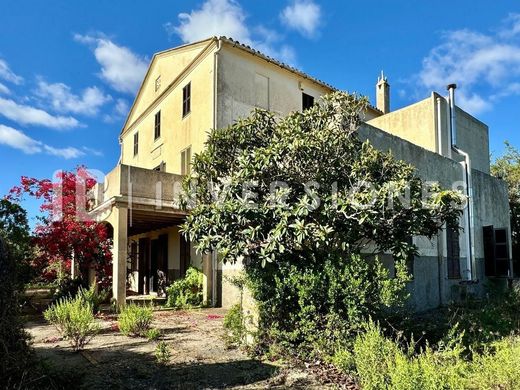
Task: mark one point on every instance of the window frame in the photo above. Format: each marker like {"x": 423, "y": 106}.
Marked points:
{"x": 186, "y": 161}
{"x": 453, "y": 253}
{"x": 307, "y": 97}
{"x": 491, "y": 258}
{"x": 186, "y": 100}
{"x": 136, "y": 143}
{"x": 157, "y": 126}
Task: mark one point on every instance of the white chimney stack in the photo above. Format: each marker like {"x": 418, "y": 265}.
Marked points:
{"x": 383, "y": 94}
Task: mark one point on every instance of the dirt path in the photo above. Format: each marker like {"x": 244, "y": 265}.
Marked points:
{"x": 200, "y": 359}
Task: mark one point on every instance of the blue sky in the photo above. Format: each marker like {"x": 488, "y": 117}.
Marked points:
{"x": 69, "y": 69}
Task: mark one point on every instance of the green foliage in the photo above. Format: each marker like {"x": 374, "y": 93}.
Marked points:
{"x": 297, "y": 200}
{"x": 162, "y": 352}
{"x": 66, "y": 288}
{"x": 14, "y": 228}
{"x": 14, "y": 351}
{"x": 135, "y": 320}
{"x": 93, "y": 296}
{"x": 234, "y": 325}
{"x": 498, "y": 367}
{"x": 74, "y": 319}
{"x": 321, "y": 306}
{"x": 508, "y": 168}
{"x": 381, "y": 363}
{"x": 153, "y": 334}
{"x": 186, "y": 292}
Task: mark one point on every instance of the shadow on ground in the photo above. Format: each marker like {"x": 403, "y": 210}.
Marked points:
{"x": 124, "y": 369}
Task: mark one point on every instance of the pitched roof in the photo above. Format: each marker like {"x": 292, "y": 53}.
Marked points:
{"x": 250, "y": 50}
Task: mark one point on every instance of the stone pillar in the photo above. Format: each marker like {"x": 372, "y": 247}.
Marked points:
{"x": 119, "y": 254}
{"x": 207, "y": 284}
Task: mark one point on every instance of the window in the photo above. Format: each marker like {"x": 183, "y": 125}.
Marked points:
{"x": 453, "y": 253}
{"x": 157, "y": 83}
{"x": 496, "y": 251}
{"x": 132, "y": 260}
{"x": 136, "y": 143}
{"x": 157, "y": 127}
{"x": 307, "y": 101}
{"x": 186, "y": 161}
{"x": 186, "y": 100}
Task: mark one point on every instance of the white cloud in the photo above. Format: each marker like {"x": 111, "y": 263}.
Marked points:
{"x": 8, "y": 75}
{"x": 4, "y": 90}
{"x": 66, "y": 153}
{"x": 120, "y": 110}
{"x": 215, "y": 17}
{"x": 303, "y": 16}
{"x": 121, "y": 68}
{"x": 227, "y": 18}
{"x": 18, "y": 140}
{"x": 485, "y": 66}
{"x": 61, "y": 99}
{"x": 28, "y": 115}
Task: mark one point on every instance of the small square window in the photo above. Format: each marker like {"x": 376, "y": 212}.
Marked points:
{"x": 157, "y": 127}
{"x": 186, "y": 100}
{"x": 307, "y": 101}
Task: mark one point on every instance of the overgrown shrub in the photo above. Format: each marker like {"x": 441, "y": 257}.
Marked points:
{"x": 234, "y": 326}
{"x": 93, "y": 296}
{"x": 135, "y": 320}
{"x": 74, "y": 319}
{"x": 153, "y": 334}
{"x": 186, "y": 292}
{"x": 381, "y": 363}
{"x": 162, "y": 352}
{"x": 314, "y": 308}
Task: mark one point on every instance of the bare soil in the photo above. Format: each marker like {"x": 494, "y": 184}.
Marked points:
{"x": 199, "y": 359}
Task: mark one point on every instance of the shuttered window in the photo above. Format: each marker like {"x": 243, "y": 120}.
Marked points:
{"x": 186, "y": 100}
{"x": 453, "y": 253}
{"x": 136, "y": 143}
{"x": 157, "y": 127}
{"x": 496, "y": 251}
{"x": 186, "y": 161}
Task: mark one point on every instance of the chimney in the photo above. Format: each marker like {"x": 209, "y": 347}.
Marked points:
{"x": 383, "y": 94}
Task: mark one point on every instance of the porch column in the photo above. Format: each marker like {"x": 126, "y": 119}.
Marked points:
{"x": 119, "y": 254}
{"x": 207, "y": 285}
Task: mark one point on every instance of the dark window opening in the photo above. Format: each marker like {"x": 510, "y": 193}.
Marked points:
{"x": 307, "y": 101}
{"x": 496, "y": 251}
{"x": 453, "y": 252}
{"x": 157, "y": 127}
{"x": 186, "y": 99}
{"x": 136, "y": 143}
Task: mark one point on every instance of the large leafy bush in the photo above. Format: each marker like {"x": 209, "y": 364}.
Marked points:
{"x": 186, "y": 292}
{"x": 75, "y": 320}
{"x": 297, "y": 200}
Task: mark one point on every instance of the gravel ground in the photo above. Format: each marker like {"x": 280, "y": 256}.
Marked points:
{"x": 199, "y": 359}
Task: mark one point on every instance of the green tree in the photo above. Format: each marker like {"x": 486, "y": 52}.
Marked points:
{"x": 14, "y": 228}
{"x": 507, "y": 167}
{"x": 298, "y": 200}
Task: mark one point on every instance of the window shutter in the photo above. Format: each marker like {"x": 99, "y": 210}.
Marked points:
{"x": 489, "y": 250}
{"x": 453, "y": 253}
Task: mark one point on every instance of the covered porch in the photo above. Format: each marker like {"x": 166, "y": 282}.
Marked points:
{"x": 141, "y": 209}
